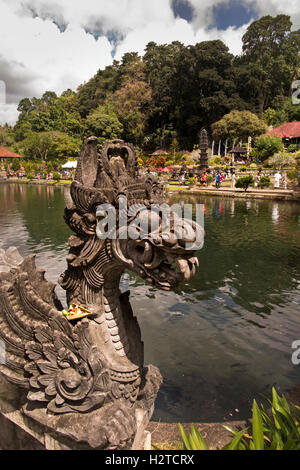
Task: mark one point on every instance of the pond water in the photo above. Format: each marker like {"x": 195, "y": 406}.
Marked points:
{"x": 220, "y": 340}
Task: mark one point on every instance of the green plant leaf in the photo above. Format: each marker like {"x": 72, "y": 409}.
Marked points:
{"x": 192, "y": 443}
{"x": 185, "y": 438}
{"x": 257, "y": 428}
{"x": 235, "y": 442}
{"x": 232, "y": 431}
{"x": 279, "y": 443}
{"x": 198, "y": 439}
{"x": 251, "y": 445}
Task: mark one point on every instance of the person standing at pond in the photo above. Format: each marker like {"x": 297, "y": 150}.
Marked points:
{"x": 218, "y": 180}
{"x": 284, "y": 180}
{"x": 233, "y": 180}
{"x": 277, "y": 179}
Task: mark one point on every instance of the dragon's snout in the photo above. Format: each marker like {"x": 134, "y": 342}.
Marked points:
{"x": 165, "y": 254}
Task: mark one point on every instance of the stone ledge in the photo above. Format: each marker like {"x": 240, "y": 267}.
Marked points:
{"x": 21, "y": 432}
{"x": 284, "y": 195}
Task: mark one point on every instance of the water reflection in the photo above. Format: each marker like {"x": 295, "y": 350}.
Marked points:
{"x": 221, "y": 339}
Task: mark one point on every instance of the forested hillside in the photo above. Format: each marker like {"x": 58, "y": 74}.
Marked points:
{"x": 167, "y": 95}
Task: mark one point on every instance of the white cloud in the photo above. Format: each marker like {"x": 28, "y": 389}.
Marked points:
{"x": 48, "y": 45}
{"x": 36, "y": 56}
{"x": 119, "y": 15}
{"x": 277, "y": 7}
{"x": 179, "y": 30}
{"x": 8, "y": 114}
{"x": 203, "y": 11}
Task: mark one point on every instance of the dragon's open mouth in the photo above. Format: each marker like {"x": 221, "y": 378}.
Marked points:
{"x": 171, "y": 271}
{"x": 164, "y": 267}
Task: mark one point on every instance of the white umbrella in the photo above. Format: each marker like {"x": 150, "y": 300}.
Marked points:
{"x": 69, "y": 165}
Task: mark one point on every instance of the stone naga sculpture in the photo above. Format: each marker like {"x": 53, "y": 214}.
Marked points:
{"x": 84, "y": 380}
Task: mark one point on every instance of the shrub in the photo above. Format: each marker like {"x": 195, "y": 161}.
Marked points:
{"x": 56, "y": 176}
{"x": 253, "y": 166}
{"x": 266, "y": 164}
{"x": 293, "y": 175}
{"x": 266, "y": 146}
{"x": 209, "y": 179}
{"x": 30, "y": 177}
{"x": 243, "y": 168}
{"x": 15, "y": 166}
{"x": 280, "y": 431}
{"x": 49, "y": 167}
{"x": 293, "y": 148}
{"x": 244, "y": 182}
{"x": 281, "y": 160}
{"x": 216, "y": 161}
{"x": 264, "y": 182}
{"x": 191, "y": 180}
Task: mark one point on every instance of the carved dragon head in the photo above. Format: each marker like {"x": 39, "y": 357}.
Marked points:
{"x": 122, "y": 221}
{"x": 160, "y": 256}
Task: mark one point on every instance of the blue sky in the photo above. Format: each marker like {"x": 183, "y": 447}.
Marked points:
{"x": 228, "y": 13}
{"x": 60, "y": 44}
{"x": 183, "y": 9}
{"x": 233, "y": 13}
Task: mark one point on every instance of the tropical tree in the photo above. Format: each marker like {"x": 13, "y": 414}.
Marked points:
{"x": 38, "y": 146}
{"x": 203, "y": 89}
{"x": 161, "y": 68}
{"x": 239, "y": 124}
{"x": 50, "y": 145}
{"x": 132, "y": 100}
{"x": 95, "y": 91}
{"x": 269, "y": 62}
{"x": 104, "y": 123}
{"x": 6, "y": 136}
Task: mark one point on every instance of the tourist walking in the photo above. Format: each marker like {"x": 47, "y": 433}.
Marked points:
{"x": 218, "y": 180}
